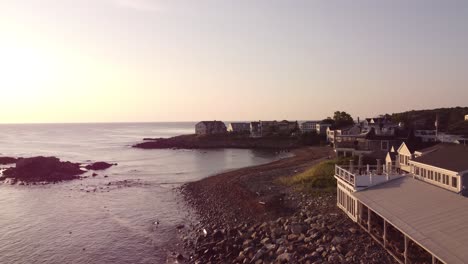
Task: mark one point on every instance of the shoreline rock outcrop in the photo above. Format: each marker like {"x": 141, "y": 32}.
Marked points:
{"x": 40, "y": 169}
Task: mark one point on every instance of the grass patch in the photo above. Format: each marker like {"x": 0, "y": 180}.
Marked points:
{"x": 319, "y": 177}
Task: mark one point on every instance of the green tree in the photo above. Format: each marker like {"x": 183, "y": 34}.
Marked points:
{"x": 342, "y": 119}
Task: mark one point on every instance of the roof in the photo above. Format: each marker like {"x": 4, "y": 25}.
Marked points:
{"x": 451, "y": 157}
{"x": 435, "y": 218}
{"x": 393, "y": 155}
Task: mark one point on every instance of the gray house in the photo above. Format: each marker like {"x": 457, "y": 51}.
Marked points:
{"x": 210, "y": 128}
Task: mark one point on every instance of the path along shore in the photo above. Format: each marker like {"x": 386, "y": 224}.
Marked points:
{"x": 248, "y": 217}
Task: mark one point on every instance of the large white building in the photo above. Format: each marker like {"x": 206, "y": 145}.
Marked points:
{"x": 419, "y": 216}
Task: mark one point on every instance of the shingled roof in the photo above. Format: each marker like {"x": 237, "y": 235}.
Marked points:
{"x": 451, "y": 157}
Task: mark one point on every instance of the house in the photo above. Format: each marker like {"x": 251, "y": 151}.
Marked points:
{"x": 368, "y": 143}
{"x": 255, "y": 130}
{"x": 210, "y": 128}
{"x": 445, "y": 165}
{"x": 418, "y": 217}
{"x": 309, "y": 126}
{"x": 268, "y": 128}
{"x": 322, "y": 127}
{"x": 381, "y": 126}
{"x": 466, "y": 117}
{"x": 287, "y": 127}
{"x": 239, "y": 128}
{"x": 408, "y": 151}
{"x": 349, "y": 130}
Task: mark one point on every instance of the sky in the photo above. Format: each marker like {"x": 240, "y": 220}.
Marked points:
{"x": 156, "y": 60}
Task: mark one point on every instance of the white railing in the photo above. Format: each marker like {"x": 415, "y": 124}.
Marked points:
{"x": 366, "y": 176}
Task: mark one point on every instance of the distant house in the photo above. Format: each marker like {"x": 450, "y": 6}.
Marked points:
{"x": 239, "y": 127}
{"x": 309, "y": 126}
{"x": 381, "y": 126}
{"x": 210, "y": 128}
{"x": 466, "y": 117}
{"x": 255, "y": 130}
{"x": 268, "y": 128}
{"x": 350, "y": 130}
{"x": 287, "y": 127}
{"x": 322, "y": 128}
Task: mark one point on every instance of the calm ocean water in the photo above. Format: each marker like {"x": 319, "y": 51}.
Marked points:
{"x": 90, "y": 221}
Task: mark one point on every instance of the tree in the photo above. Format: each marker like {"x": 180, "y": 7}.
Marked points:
{"x": 342, "y": 119}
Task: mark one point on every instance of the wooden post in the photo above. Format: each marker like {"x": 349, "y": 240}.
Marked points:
{"x": 406, "y": 250}
{"x": 368, "y": 219}
{"x": 385, "y": 233}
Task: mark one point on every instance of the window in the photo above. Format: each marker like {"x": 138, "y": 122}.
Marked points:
{"x": 454, "y": 182}
{"x": 384, "y": 145}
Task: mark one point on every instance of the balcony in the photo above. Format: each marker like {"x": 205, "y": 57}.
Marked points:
{"x": 366, "y": 176}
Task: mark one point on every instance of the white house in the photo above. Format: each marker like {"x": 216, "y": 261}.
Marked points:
{"x": 466, "y": 117}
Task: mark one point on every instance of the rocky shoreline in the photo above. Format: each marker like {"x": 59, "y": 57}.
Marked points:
{"x": 220, "y": 141}
{"x": 247, "y": 217}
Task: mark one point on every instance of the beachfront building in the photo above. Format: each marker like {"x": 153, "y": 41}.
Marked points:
{"x": 210, "y": 128}
{"x": 444, "y": 165}
{"x": 286, "y": 127}
{"x": 239, "y": 127}
{"x": 309, "y": 126}
{"x": 418, "y": 217}
{"x": 268, "y": 128}
{"x": 255, "y": 130}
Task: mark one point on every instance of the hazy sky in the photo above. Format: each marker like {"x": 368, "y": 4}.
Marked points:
{"x": 151, "y": 60}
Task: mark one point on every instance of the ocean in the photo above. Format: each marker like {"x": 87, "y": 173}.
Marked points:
{"x": 104, "y": 219}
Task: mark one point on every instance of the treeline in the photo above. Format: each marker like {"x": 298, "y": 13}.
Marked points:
{"x": 450, "y": 120}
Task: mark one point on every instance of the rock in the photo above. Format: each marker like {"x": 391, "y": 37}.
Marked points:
{"x": 257, "y": 255}
{"x": 99, "y": 166}
{"x": 49, "y": 169}
{"x": 284, "y": 258}
{"x": 180, "y": 226}
{"x": 7, "y": 160}
{"x": 180, "y": 257}
{"x": 94, "y": 174}
{"x": 297, "y": 228}
{"x": 352, "y": 230}
{"x": 336, "y": 240}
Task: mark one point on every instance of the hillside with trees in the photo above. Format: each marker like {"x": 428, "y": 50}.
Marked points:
{"x": 450, "y": 120}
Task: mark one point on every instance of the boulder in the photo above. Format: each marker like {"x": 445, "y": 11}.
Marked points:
{"x": 99, "y": 166}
